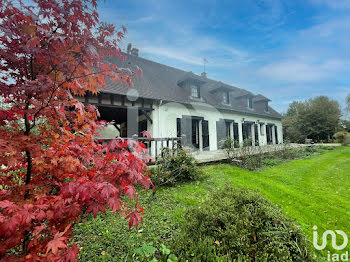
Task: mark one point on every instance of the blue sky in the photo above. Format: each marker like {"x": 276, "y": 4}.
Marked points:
{"x": 286, "y": 50}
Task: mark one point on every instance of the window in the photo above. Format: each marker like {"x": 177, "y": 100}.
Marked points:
{"x": 195, "y": 91}
{"x": 266, "y": 107}
{"x": 250, "y": 102}
{"x": 225, "y": 98}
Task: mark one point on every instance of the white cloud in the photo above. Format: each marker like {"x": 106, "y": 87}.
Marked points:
{"x": 336, "y": 4}
{"x": 301, "y": 71}
{"x": 172, "y": 53}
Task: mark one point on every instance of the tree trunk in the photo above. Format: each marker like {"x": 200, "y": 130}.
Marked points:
{"x": 29, "y": 168}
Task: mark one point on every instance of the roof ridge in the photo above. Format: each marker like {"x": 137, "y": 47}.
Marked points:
{"x": 185, "y": 72}
{"x": 148, "y": 60}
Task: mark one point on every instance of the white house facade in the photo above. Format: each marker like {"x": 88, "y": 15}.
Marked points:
{"x": 169, "y": 103}
{"x": 166, "y": 117}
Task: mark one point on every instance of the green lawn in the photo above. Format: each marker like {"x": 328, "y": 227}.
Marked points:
{"x": 314, "y": 191}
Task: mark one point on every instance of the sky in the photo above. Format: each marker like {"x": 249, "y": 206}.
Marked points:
{"x": 285, "y": 50}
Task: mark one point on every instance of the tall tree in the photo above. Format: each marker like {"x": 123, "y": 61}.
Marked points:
{"x": 293, "y": 128}
{"x": 316, "y": 118}
{"x": 52, "y": 168}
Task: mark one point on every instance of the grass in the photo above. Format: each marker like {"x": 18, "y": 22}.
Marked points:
{"x": 313, "y": 191}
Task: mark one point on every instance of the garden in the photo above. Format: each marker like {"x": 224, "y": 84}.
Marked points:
{"x": 184, "y": 220}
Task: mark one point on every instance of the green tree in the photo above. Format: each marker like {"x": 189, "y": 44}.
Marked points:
{"x": 347, "y": 101}
{"x": 294, "y": 130}
{"x": 316, "y": 118}
{"x": 344, "y": 125}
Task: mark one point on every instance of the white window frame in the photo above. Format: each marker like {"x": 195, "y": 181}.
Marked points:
{"x": 195, "y": 93}
{"x": 227, "y": 101}
{"x": 250, "y": 102}
{"x": 266, "y": 107}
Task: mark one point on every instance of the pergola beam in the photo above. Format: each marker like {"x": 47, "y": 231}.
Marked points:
{"x": 147, "y": 115}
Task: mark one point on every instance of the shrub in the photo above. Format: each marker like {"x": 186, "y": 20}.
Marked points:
{"x": 240, "y": 225}
{"x": 310, "y": 149}
{"x": 341, "y": 136}
{"x": 269, "y": 162}
{"x": 249, "y": 157}
{"x": 346, "y": 141}
{"x": 327, "y": 147}
{"x": 174, "y": 165}
{"x": 230, "y": 145}
{"x": 251, "y": 162}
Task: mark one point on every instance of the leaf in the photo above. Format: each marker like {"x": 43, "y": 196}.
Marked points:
{"x": 146, "y": 250}
{"x": 33, "y": 42}
{"x": 172, "y": 258}
{"x": 57, "y": 243}
{"x": 73, "y": 209}
{"x": 72, "y": 254}
{"x": 147, "y": 135}
{"x": 130, "y": 191}
{"x": 164, "y": 250}
{"x": 134, "y": 219}
{"x": 108, "y": 190}
{"x": 114, "y": 204}
{"x": 95, "y": 208}
{"x": 6, "y": 204}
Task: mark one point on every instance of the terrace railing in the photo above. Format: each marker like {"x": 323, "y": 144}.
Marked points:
{"x": 155, "y": 145}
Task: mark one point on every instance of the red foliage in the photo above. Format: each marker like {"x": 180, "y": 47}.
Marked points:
{"x": 52, "y": 168}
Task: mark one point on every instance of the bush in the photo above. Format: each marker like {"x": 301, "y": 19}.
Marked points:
{"x": 327, "y": 147}
{"x": 342, "y": 137}
{"x": 346, "y": 141}
{"x": 174, "y": 165}
{"x": 230, "y": 145}
{"x": 269, "y": 162}
{"x": 240, "y": 225}
{"x": 251, "y": 161}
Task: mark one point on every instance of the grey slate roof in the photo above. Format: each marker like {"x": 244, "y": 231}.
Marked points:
{"x": 161, "y": 82}
{"x": 260, "y": 97}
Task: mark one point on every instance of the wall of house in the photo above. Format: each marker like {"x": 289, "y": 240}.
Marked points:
{"x": 165, "y": 113}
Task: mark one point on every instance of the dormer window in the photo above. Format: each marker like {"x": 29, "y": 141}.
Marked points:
{"x": 250, "y": 102}
{"x": 225, "y": 98}
{"x": 195, "y": 92}
{"x": 266, "y": 106}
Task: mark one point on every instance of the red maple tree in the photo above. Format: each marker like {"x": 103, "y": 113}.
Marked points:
{"x": 52, "y": 169}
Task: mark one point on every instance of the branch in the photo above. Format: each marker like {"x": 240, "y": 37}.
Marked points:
{"x": 41, "y": 108}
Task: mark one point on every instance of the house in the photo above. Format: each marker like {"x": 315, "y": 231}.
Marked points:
{"x": 169, "y": 102}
